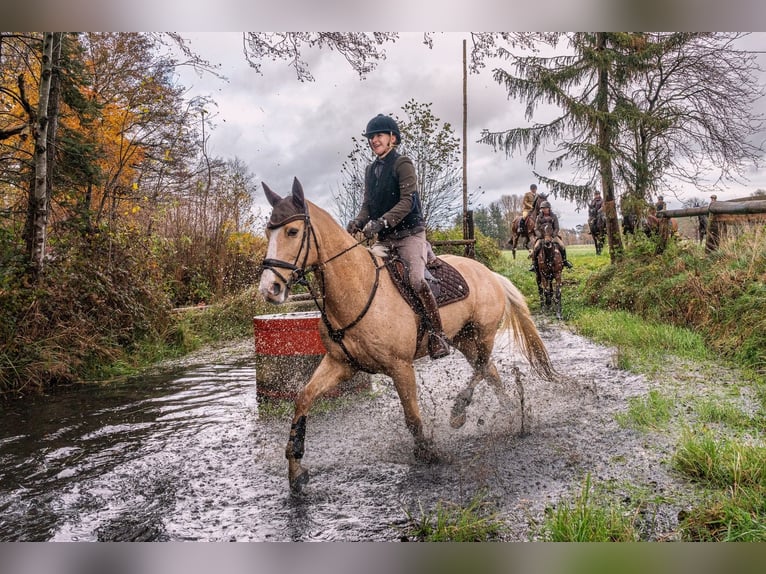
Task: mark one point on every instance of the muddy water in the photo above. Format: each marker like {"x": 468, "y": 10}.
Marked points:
{"x": 186, "y": 453}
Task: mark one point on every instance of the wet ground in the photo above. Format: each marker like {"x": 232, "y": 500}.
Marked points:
{"x": 188, "y": 454}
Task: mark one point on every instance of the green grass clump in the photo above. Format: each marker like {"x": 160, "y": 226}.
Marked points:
{"x": 449, "y": 522}
{"x": 650, "y": 412}
{"x": 589, "y": 518}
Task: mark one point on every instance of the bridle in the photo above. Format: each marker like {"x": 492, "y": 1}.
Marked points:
{"x": 298, "y": 274}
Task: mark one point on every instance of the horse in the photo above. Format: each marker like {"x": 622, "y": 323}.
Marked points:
{"x": 597, "y": 226}
{"x": 528, "y": 231}
{"x": 549, "y": 266}
{"x": 629, "y": 223}
{"x": 701, "y": 227}
{"x": 659, "y": 226}
{"x": 367, "y": 325}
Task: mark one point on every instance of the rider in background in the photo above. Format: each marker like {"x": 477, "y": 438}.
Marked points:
{"x": 595, "y": 205}
{"x": 547, "y": 217}
{"x": 391, "y": 210}
{"x": 527, "y": 203}
{"x": 660, "y": 205}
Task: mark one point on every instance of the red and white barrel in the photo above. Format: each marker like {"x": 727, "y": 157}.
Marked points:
{"x": 288, "y": 349}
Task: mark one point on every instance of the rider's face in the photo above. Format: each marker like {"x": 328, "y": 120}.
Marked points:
{"x": 382, "y": 143}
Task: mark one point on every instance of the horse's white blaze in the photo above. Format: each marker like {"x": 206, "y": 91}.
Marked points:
{"x": 269, "y": 280}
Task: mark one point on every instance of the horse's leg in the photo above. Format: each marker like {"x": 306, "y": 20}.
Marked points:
{"x": 403, "y": 376}
{"x": 477, "y": 350}
{"x": 328, "y": 374}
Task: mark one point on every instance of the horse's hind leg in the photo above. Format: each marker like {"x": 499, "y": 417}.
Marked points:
{"x": 403, "y": 376}
{"x": 327, "y": 375}
{"x": 478, "y": 352}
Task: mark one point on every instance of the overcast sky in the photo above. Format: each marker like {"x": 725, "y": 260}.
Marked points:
{"x": 283, "y": 128}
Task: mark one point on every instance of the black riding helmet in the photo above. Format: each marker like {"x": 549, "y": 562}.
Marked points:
{"x": 382, "y": 124}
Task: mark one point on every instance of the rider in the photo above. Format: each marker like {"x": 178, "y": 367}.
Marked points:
{"x": 391, "y": 209}
{"x": 528, "y": 202}
{"x": 595, "y": 205}
{"x": 546, "y": 216}
{"x": 660, "y": 205}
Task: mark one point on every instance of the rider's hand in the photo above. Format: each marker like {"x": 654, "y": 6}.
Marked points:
{"x": 373, "y": 227}
{"x": 353, "y": 227}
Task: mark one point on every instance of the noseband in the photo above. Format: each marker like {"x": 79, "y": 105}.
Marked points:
{"x": 297, "y": 272}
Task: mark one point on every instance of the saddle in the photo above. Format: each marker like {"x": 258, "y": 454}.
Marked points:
{"x": 446, "y": 282}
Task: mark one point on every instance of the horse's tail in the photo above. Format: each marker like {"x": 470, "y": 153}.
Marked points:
{"x": 518, "y": 317}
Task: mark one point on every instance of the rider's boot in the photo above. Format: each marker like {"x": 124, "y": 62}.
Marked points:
{"x": 566, "y": 262}
{"x": 522, "y": 223}
{"x": 533, "y": 267}
{"x": 438, "y": 346}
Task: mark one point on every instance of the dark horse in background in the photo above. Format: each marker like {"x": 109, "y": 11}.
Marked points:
{"x": 701, "y": 227}
{"x": 528, "y": 232}
{"x": 549, "y": 266}
{"x": 597, "y": 227}
{"x": 629, "y": 223}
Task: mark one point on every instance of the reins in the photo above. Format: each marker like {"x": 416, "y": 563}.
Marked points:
{"x": 298, "y": 277}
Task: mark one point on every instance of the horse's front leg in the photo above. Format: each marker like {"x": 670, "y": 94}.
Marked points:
{"x": 328, "y": 374}
{"x": 404, "y": 382}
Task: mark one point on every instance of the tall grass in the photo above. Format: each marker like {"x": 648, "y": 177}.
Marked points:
{"x": 588, "y": 518}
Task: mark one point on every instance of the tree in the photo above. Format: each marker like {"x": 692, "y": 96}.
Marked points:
{"x": 612, "y": 129}
{"x": 582, "y": 84}
{"x": 690, "y": 113}
{"x": 361, "y": 50}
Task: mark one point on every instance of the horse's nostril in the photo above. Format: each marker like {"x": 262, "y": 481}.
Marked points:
{"x": 275, "y": 288}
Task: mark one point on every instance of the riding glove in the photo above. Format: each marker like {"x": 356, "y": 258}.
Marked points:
{"x": 353, "y": 226}
{"x": 373, "y": 227}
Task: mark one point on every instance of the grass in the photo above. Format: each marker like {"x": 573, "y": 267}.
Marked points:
{"x": 449, "y": 522}
{"x": 659, "y": 311}
{"x": 589, "y": 517}
{"x": 650, "y": 412}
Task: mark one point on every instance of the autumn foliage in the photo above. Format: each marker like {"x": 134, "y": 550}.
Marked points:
{"x": 139, "y": 217}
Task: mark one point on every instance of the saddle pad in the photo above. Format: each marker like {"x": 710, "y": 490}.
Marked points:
{"x": 446, "y": 282}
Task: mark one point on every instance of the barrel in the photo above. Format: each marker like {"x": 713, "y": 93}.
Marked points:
{"x": 288, "y": 349}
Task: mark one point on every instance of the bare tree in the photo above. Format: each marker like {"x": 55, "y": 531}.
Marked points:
{"x": 361, "y": 50}
{"x": 690, "y": 113}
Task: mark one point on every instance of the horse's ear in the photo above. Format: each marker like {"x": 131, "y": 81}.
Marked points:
{"x": 298, "y": 193}
{"x": 270, "y": 195}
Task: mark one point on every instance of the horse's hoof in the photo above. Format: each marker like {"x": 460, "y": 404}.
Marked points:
{"x": 298, "y": 482}
{"x": 425, "y": 452}
{"x": 457, "y": 421}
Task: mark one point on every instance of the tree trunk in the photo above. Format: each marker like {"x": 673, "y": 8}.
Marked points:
{"x": 605, "y": 161}
{"x": 39, "y": 198}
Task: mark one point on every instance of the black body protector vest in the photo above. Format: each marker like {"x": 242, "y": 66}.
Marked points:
{"x": 384, "y": 194}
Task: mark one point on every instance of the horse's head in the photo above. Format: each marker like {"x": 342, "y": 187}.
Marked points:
{"x": 547, "y": 234}
{"x": 289, "y": 241}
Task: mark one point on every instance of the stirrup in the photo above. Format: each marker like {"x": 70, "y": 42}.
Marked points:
{"x": 532, "y": 268}
{"x": 438, "y": 346}
{"x": 567, "y": 264}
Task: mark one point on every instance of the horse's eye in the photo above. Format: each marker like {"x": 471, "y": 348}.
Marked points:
{"x": 292, "y": 232}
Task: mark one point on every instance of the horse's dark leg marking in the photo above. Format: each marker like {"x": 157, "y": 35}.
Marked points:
{"x": 297, "y": 437}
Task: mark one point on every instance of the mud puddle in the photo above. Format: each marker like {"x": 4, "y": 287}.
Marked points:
{"x": 187, "y": 453}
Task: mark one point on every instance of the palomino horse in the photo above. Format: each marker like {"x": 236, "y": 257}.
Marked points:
{"x": 662, "y": 226}
{"x": 549, "y": 266}
{"x": 597, "y": 227}
{"x": 367, "y": 325}
{"x": 528, "y": 231}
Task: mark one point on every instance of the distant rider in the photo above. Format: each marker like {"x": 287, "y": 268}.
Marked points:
{"x": 547, "y": 217}
{"x": 527, "y": 204}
